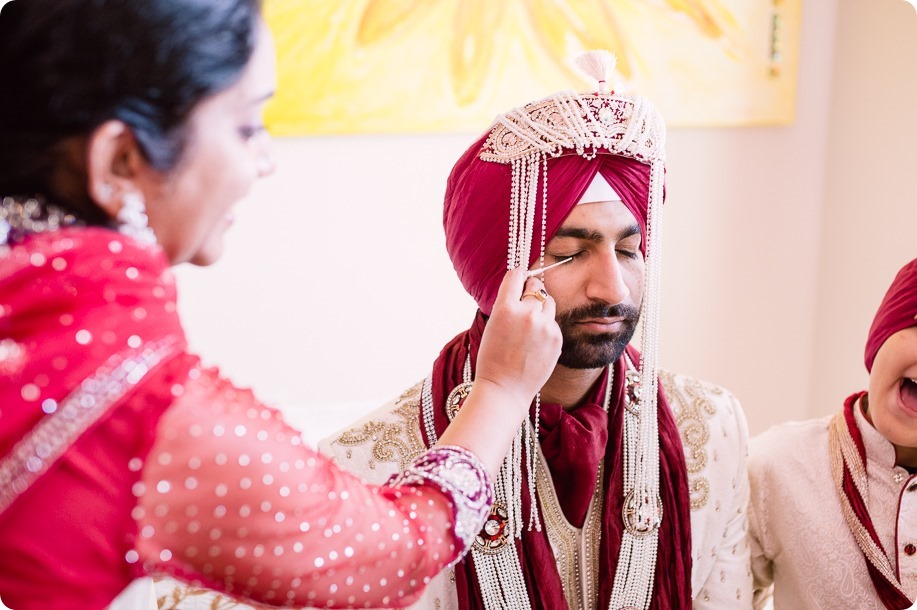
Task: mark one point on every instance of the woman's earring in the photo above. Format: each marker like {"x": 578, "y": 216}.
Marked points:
{"x": 105, "y": 191}
{"x": 132, "y": 219}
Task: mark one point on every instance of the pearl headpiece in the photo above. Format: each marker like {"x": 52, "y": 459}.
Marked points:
{"x": 588, "y": 125}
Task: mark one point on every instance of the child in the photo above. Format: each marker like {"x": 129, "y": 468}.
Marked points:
{"x": 833, "y": 509}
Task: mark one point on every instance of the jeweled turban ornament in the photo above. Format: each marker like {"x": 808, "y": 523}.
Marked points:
{"x": 587, "y": 124}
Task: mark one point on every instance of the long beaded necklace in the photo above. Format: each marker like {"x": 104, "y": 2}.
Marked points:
{"x": 496, "y": 560}
{"x": 497, "y": 565}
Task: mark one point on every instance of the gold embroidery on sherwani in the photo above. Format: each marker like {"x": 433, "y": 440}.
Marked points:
{"x": 393, "y": 441}
{"x": 844, "y": 453}
{"x": 692, "y": 406}
{"x": 576, "y": 550}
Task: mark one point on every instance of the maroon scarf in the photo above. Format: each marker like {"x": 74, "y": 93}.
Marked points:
{"x": 574, "y": 443}
{"x": 844, "y": 430}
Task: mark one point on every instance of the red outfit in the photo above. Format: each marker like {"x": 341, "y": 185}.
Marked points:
{"x": 120, "y": 456}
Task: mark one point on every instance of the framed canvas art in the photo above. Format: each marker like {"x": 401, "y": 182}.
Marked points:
{"x": 422, "y": 66}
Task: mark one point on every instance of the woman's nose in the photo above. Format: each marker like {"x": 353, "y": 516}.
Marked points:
{"x": 264, "y": 154}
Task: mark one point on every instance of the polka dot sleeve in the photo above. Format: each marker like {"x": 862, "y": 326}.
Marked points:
{"x": 231, "y": 499}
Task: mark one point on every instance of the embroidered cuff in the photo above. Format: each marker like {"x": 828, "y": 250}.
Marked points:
{"x": 459, "y": 474}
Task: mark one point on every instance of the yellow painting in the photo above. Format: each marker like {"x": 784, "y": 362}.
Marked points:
{"x": 421, "y": 66}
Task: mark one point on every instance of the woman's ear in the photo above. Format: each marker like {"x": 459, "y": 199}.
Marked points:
{"x": 114, "y": 164}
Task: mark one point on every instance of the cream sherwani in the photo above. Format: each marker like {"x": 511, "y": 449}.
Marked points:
{"x": 714, "y": 435}
{"x": 801, "y": 543}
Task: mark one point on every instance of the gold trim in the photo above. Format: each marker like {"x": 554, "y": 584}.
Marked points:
{"x": 844, "y": 454}
{"x": 53, "y": 435}
{"x": 692, "y": 407}
{"x": 576, "y": 550}
{"x": 397, "y": 442}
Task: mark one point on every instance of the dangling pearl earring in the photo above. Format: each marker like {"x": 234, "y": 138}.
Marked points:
{"x": 132, "y": 219}
{"x": 105, "y": 191}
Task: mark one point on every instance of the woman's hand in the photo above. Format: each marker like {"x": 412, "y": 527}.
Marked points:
{"x": 519, "y": 349}
{"x": 521, "y": 342}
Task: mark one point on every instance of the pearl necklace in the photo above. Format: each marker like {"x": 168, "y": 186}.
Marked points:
{"x": 497, "y": 565}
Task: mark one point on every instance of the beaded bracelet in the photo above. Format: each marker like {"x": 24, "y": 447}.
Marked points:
{"x": 460, "y": 475}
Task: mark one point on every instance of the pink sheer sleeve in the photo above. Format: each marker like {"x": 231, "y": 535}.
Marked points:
{"x": 232, "y": 499}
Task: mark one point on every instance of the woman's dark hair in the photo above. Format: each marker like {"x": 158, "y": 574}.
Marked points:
{"x": 67, "y": 66}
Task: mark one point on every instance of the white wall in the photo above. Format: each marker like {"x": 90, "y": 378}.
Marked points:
{"x": 742, "y": 231}
{"x": 336, "y": 291}
{"x": 870, "y": 212}
{"x": 335, "y": 286}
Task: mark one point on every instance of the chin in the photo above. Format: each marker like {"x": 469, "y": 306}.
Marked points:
{"x": 901, "y": 438}
{"x": 896, "y": 426}
{"x": 590, "y": 355}
{"x": 207, "y": 255}
{"x": 203, "y": 260}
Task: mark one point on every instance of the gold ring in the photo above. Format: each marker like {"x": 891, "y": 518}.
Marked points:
{"x": 541, "y": 294}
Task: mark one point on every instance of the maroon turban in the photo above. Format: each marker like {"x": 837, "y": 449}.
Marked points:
{"x": 897, "y": 311}
{"x": 477, "y": 209}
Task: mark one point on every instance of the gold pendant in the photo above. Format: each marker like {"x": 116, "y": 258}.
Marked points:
{"x": 456, "y": 397}
{"x": 494, "y": 535}
{"x": 632, "y": 391}
{"x": 640, "y": 517}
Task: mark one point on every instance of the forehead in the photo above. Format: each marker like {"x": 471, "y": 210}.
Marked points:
{"x": 261, "y": 72}
{"x": 242, "y": 100}
{"x": 259, "y": 77}
{"x": 605, "y": 217}
{"x": 907, "y": 337}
